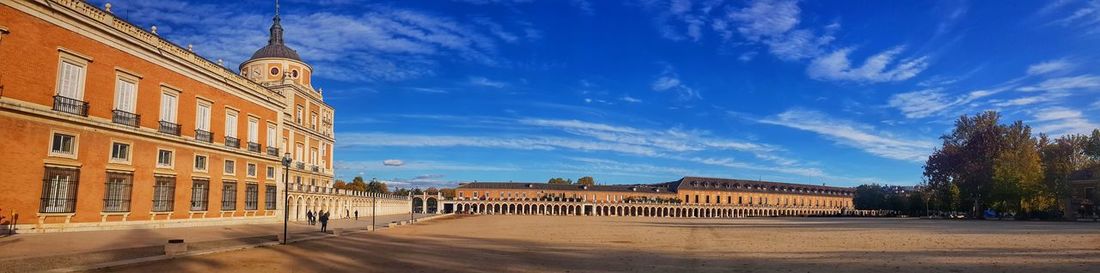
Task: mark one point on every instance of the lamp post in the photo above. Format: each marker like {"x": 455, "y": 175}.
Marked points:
{"x": 286, "y": 193}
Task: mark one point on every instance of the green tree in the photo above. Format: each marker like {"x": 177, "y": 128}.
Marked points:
{"x": 559, "y": 180}
{"x": 587, "y": 180}
{"x": 1018, "y": 172}
{"x": 357, "y": 184}
{"x": 375, "y": 186}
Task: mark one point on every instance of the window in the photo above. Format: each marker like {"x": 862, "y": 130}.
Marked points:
{"x": 168, "y": 102}
{"x": 164, "y": 193}
{"x": 274, "y": 71}
{"x": 125, "y": 94}
{"x": 298, "y": 114}
{"x": 1090, "y": 193}
{"x": 313, "y": 120}
{"x": 200, "y": 191}
{"x": 164, "y": 158}
{"x": 269, "y": 197}
{"x": 294, "y": 73}
{"x": 59, "y": 190}
{"x": 229, "y": 195}
{"x": 313, "y": 155}
{"x": 202, "y": 116}
{"x": 251, "y": 196}
{"x": 63, "y": 144}
{"x": 298, "y": 152}
{"x": 120, "y": 152}
{"x": 116, "y": 194}
{"x": 271, "y": 135}
{"x": 200, "y": 163}
{"x": 230, "y": 167}
{"x": 231, "y": 123}
{"x": 70, "y": 79}
{"x": 271, "y": 172}
{"x": 253, "y": 130}
{"x": 324, "y": 148}
{"x": 250, "y": 169}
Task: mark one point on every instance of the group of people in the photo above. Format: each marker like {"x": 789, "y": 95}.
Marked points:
{"x": 321, "y": 216}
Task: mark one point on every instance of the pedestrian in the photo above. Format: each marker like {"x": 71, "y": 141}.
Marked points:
{"x": 347, "y": 214}
{"x": 356, "y": 215}
{"x": 309, "y": 217}
{"x": 324, "y": 221}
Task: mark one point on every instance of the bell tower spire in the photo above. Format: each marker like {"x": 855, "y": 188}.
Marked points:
{"x": 276, "y": 28}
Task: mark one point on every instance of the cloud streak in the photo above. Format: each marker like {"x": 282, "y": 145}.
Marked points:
{"x": 848, "y": 133}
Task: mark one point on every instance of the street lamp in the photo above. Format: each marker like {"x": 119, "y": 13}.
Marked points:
{"x": 286, "y": 193}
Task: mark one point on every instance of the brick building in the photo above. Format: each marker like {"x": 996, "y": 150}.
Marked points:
{"x": 104, "y": 124}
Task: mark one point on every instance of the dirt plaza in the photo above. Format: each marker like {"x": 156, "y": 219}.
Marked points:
{"x": 636, "y": 244}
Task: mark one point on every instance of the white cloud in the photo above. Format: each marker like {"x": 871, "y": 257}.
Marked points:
{"x": 1095, "y": 105}
{"x": 934, "y": 101}
{"x": 670, "y": 81}
{"x": 1048, "y": 67}
{"x": 1060, "y": 121}
{"x": 762, "y": 19}
{"x": 393, "y": 162}
{"x": 1030, "y": 100}
{"x": 836, "y": 66}
{"x": 848, "y": 133}
{"x": 1065, "y": 83}
{"x": 630, "y": 99}
{"x": 482, "y": 81}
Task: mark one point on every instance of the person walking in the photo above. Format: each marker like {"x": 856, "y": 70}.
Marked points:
{"x": 324, "y": 221}
{"x": 356, "y": 215}
{"x": 309, "y": 217}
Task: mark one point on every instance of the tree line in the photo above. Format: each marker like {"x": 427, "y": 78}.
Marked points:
{"x": 587, "y": 180}
{"x": 983, "y": 165}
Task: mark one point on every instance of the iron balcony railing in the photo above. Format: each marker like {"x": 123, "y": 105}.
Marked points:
{"x": 126, "y": 118}
{"x": 70, "y": 105}
{"x": 232, "y": 142}
{"x": 204, "y": 136}
{"x": 272, "y": 151}
{"x": 300, "y": 165}
{"x": 253, "y": 147}
{"x": 315, "y": 168}
{"x": 169, "y": 128}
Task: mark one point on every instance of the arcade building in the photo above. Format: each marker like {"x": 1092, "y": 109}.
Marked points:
{"x": 687, "y": 197}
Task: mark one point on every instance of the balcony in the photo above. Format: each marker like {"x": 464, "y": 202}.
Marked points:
{"x": 70, "y": 105}
{"x": 169, "y": 128}
{"x": 232, "y": 142}
{"x": 126, "y": 118}
{"x": 272, "y": 151}
{"x": 253, "y": 147}
{"x": 204, "y": 136}
{"x": 315, "y": 168}
{"x": 300, "y": 165}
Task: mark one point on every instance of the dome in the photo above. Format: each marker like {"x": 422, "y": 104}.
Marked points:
{"x": 276, "y": 51}
{"x": 275, "y": 47}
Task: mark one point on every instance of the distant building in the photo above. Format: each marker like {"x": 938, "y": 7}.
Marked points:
{"x": 698, "y": 196}
{"x": 1083, "y": 198}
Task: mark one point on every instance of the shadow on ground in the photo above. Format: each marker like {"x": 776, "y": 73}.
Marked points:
{"x": 382, "y": 252}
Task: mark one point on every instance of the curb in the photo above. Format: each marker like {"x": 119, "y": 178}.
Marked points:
{"x": 213, "y": 251}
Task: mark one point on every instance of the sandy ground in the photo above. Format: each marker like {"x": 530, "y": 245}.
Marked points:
{"x": 621, "y": 244}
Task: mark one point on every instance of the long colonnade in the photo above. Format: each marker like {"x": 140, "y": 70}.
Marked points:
{"x": 345, "y": 204}
{"x": 641, "y": 209}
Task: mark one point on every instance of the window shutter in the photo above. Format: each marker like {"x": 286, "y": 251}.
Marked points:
{"x": 253, "y": 131}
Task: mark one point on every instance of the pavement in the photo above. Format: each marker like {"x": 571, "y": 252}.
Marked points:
{"x": 45, "y": 251}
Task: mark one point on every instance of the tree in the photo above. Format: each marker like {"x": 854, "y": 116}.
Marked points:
{"x": 357, "y": 184}
{"x": 447, "y": 193}
{"x": 417, "y": 191}
{"x": 339, "y": 184}
{"x": 871, "y": 197}
{"x": 1018, "y": 172}
{"x": 587, "y": 180}
{"x": 377, "y": 187}
{"x": 559, "y": 180}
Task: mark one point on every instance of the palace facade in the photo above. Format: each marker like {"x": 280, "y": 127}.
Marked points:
{"x": 687, "y": 197}
{"x": 104, "y": 124}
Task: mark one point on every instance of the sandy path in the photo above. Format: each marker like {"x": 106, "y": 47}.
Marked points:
{"x": 603, "y": 244}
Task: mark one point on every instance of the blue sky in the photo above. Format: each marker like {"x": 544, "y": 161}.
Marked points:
{"x": 431, "y": 93}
